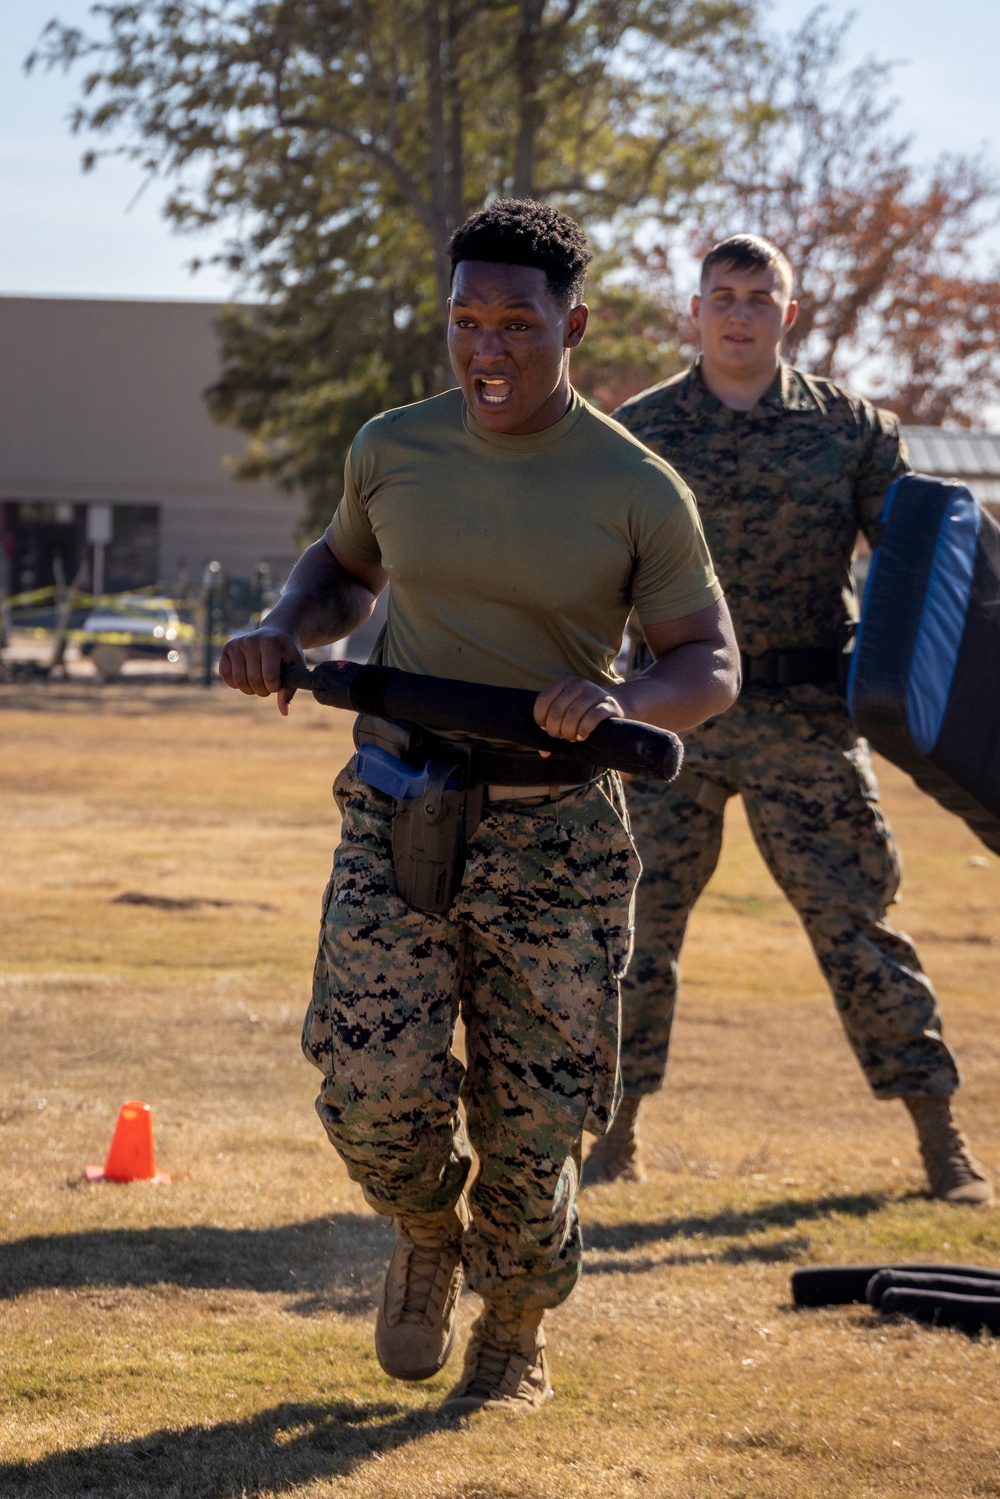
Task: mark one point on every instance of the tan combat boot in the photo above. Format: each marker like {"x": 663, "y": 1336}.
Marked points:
{"x": 505, "y": 1368}
{"x": 954, "y": 1175}
{"x": 617, "y": 1156}
{"x": 415, "y": 1325}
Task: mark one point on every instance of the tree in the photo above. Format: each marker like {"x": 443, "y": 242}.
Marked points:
{"x": 886, "y": 255}
{"x": 343, "y": 140}
{"x": 634, "y": 338}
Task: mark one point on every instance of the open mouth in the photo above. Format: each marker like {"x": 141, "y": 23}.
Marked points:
{"x": 493, "y": 391}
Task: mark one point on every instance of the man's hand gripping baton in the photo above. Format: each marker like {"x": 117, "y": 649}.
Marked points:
{"x": 484, "y": 712}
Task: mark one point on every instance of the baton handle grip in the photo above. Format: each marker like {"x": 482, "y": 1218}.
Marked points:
{"x": 485, "y": 712}
{"x": 297, "y": 674}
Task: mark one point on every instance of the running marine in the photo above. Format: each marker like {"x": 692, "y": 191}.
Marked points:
{"x": 515, "y": 528}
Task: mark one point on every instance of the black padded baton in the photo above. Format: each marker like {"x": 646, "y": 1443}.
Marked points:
{"x": 838, "y": 1285}
{"x": 971, "y": 1314}
{"x": 931, "y": 1284}
{"x": 505, "y": 713}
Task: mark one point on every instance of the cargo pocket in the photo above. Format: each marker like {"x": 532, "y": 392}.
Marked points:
{"x": 316, "y": 1028}
{"x": 878, "y": 853}
{"x": 605, "y": 1095}
{"x": 622, "y": 874}
{"x": 614, "y": 902}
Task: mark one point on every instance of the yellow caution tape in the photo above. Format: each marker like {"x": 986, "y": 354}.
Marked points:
{"x": 185, "y": 635}
{"x": 81, "y": 600}
{"x": 21, "y": 600}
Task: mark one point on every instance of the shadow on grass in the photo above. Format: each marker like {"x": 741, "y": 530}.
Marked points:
{"x": 729, "y": 1223}
{"x": 336, "y": 1264}
{"x": 744, "y": 1254}
{"x": 325, "y": 1264}
{"x": 272, "y": 1452}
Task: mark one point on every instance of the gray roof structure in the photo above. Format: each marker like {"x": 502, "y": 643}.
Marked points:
{"x": 973, "y": 457}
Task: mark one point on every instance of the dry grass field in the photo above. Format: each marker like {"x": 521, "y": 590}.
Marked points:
{"x": 212, "y": 1337}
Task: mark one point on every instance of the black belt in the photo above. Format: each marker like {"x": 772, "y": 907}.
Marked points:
{"x": 817, "y": 668}
{"x": 796, "y": 668}
{"x": 433, "y": 822}
{"x": 482, "y": 765}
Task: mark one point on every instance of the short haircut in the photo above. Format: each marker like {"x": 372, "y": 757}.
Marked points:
{"x": 748, "y": 252}
{"x": 519, "y": 231}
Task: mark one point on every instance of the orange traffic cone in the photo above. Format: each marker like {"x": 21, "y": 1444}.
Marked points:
{"x": 131, "y": 1155}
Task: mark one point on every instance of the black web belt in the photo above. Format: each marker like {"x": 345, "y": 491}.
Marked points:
{"x": 434, "y": 818}
{"x": 798, "y": 668}
{"x": 481, "y": 764}
{"x": 795, "y": 668}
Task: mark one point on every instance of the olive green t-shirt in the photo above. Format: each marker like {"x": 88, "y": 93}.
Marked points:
{"x": 516, "y": 560}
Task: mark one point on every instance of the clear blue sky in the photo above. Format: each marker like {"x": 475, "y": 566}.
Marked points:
{"x": 948, "y": 87}
{"x": 62, "y": 232}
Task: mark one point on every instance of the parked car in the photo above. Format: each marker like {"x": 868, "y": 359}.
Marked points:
{"x": 131, "y": 626}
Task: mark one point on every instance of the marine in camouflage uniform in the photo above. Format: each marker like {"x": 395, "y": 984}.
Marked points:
{"x": 515, "y": 528}
{"x": 783, "y": 490}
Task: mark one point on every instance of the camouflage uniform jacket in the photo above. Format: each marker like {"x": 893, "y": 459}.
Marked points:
{"x": 782, "y": 490}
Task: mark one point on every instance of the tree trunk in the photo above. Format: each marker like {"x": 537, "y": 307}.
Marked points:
{"x": 529, "y": 109}
{"x": 436, "y": 164}
{"x": 456, "y": 117}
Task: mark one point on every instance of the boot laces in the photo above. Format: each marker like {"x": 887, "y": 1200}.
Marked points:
{"x": 422, "y": 1272}
{"x": 490, "y": 1370}
{"x": 946, "y": 1145}
{"x": 957, "y": 1157}
{"x": 946, "y": 1152}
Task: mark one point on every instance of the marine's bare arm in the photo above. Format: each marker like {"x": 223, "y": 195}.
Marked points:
{"x": 327, "y": 596}
{"x": 695, "y": 674}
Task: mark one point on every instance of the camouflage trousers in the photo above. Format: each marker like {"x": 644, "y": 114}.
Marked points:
{"x": 811, "y": 800}
{"x": 530, "y": 955}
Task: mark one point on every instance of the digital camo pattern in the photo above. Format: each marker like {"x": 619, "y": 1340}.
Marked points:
{"x": 531, "y": 956}
{"x": 812, "y": 803}
{"x": 782, "y": 491}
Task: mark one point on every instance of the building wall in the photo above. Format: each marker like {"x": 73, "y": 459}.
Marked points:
{"x": 101, "y": 402}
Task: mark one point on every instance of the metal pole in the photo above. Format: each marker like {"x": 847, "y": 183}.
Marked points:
{"x": 210, "y": 583}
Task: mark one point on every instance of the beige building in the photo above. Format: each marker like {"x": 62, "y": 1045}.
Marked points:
{"x": 108, "y": 455}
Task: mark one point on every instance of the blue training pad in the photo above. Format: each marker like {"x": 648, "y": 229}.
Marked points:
{"x": 924, "y": 685}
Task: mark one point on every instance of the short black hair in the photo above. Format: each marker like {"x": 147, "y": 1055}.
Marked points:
{"x": 748, "y": 252}
{"x": 519, "y": 231}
